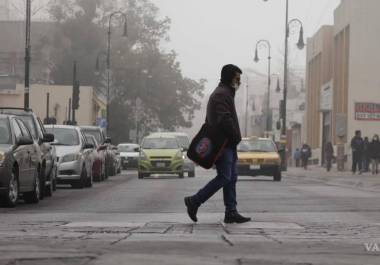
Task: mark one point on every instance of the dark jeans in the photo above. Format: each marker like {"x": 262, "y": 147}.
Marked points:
{"x": 356, "y": 161}
{"x": 226, "y": 178}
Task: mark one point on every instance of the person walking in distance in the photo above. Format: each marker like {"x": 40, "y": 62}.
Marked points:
{"x": 305, "y": 155}
{"x": 297, "y": 157}
{"x": 365, "y": 156}
{"x": 329, "y": 155}
{"x": 374, "y": 154}
{"x": 357, "y": 151}
{"x": 221, "y": 114}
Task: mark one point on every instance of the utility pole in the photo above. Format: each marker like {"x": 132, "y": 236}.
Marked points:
{"x": 27, "y": 54}
{"x": 246, "y": 109}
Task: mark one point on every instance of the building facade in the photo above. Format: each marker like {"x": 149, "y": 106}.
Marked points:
{"x": 91, "y": 106}
{"x": 343, "y": 87}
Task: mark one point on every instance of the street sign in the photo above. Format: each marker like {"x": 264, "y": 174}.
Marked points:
{"x": 341, "y": 124}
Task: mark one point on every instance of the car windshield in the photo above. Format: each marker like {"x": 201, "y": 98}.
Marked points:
{"x": 256, "y": 146}
{"x": 64, "y": 136}
{"x": 28, "y": 120}
{"x": 183, "y": 141}
{"x": 5, "y": 136}
{"x": 95, "y": 133}
{"x": 127, "y": 148}
{"x": 160, "y": 143}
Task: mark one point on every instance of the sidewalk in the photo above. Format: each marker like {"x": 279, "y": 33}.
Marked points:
{"x": 365, "y": 181}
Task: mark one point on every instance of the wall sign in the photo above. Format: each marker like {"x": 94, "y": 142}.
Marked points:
{"x": 367, "y": 111}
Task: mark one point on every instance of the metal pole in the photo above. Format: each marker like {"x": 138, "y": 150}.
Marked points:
{"x": 27, "y": 53}
{"x": 69, "y": 118}
{"x": 74, "y": 83}
{"x": 47, "y": 105}
{"x": 246, "y": 111}
{"x": 285, "y": 68}
{"x": 269, "y": 86}
{"x": 108, "y": 75}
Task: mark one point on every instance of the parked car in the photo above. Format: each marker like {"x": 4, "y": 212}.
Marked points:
{"x": 184, "y": 141}
{"x": 105, "y": 144}
{"x": 259, "y": 157}
{"x": 19, "y": 162}
{"x": 129, "y": 154}
{"x": 43, "y": 140}
{"x": 160, "y": 155}
{"x": 98, "y": 167}
{"x": 75, "y": 156}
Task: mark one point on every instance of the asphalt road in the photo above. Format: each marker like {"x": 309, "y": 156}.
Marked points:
{"x": 301, "y": 220}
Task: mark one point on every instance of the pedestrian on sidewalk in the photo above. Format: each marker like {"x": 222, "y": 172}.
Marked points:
{"x": 366, "y": 158}
{"x": 374, "y": 154}
{"x": 221, "y": 114}
{"x": 329, "y": 155}
{"x": 305, "y": 155}
{"x": 297, "y": 157}
{"x": 357, "y": 151}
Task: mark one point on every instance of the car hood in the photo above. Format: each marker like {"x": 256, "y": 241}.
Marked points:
{"x": 258, "y": 155}
{"x": 129, "y": 154}
{"x": 5, "y": 148}
{"x": 161, "y": 152}
{"x": 62, "y": 150}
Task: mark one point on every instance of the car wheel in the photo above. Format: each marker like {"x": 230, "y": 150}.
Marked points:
{"x": 81, "y": 183}
{"x": 55, "y": 180}
{"x": 277, "y": 176}
{"x": 89, "y": 181}
{"x": 35, "y": 195}
{"x": 42, "y": 182}
{"x": 12, "y": 194}
{"x": 191, "y": 174}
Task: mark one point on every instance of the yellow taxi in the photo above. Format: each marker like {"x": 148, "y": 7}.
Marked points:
{"x": 259, "y": 157}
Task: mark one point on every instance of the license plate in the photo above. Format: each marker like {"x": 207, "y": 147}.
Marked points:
{"x": 160, "y": 164}
{"x": 252, "y": 167}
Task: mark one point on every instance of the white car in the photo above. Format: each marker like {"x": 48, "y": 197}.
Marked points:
{"x": 129, "y": 154}
{"x": 74, "y": 155}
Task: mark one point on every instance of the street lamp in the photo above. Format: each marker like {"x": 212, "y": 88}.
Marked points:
{"x": 266, "y": 44}
{"x": 300, "y": 45}
{"x": 112, "y": 15}
{"x": 27, "y": 54}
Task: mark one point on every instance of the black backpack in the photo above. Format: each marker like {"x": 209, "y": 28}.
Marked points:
{"x": 207, "y": 146}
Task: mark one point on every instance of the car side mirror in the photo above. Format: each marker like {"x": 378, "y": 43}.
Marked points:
{"x": 89, "y": 146}
{"x": 24, "y": 141}
{"x": 137, "y": 149}
{"x": 108, "y": 140}
{"x": 48, "y": 138}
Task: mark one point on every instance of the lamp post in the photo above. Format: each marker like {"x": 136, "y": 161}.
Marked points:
{"x": 266, "y": 44}
{"x": 300, "y": 45}
{"x": 27, "y": 54}
{"x": 112, "y": 15}
{"x": 246, "y": 108}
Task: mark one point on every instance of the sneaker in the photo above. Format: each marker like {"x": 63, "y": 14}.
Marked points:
{"x": 192, "y": 208}
{"x": 235, "y": 217}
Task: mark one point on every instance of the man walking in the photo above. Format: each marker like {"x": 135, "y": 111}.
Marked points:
{"x": 221, "y": 114}
{"x": 357, "y": 151}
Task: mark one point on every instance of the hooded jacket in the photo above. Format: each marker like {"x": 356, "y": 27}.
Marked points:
{"x": 221, "y": 114}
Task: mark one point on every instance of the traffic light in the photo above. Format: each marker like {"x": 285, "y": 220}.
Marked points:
{"x": 76, "y": 92}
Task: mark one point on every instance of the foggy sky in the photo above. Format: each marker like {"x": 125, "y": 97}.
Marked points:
{"x": 210, "y": 33}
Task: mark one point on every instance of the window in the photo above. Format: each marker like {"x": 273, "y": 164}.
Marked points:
{"x": 160, "y": 143}
{"x": 5, "y": 136}
{"x": 63, "y": 136}
{"x": 29, "y": 122}
{"x": 16, "y": 129}
{"x": 24, "y": 129}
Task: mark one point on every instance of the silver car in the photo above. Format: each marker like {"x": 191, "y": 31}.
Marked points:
{"x": 74, "y": 155}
